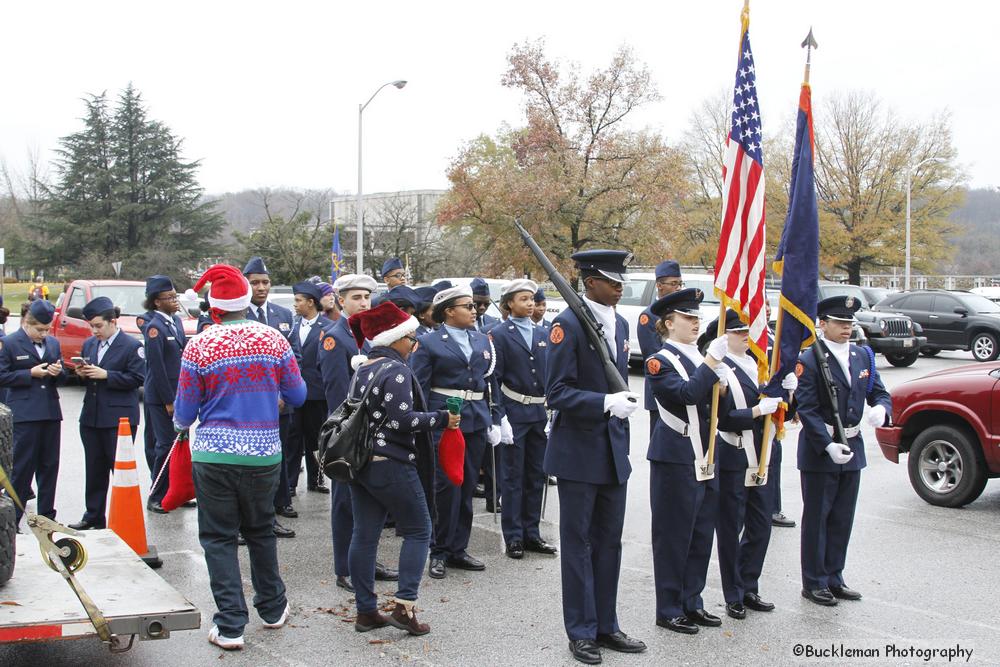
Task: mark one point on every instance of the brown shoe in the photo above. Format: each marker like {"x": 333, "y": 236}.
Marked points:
{"x": 404, "y": 617}
{"x": 371, "y": 621}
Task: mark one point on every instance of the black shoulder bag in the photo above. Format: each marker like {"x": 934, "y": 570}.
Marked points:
{"x": 345, "y": 442}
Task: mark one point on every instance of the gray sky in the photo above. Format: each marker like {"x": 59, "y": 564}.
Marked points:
{"x": 266, "y": 93}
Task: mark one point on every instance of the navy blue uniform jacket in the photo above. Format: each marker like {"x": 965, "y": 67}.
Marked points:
{"x": 307, "y": 356}
{"x": 521, "y": 370}
{"x": 30, "y": 399}
{"x": 734, "y": 419}
{"x": 585, "y": 444}
{"x": 163, "y": 357}
{"x": 674, "y": 394}
{"x": 815, "y": 414}
{"x": 107, "y": 400}
{"x": 439, "y": 362}
{"x": 336, "y": 349}
{"x": 649, "y": 344}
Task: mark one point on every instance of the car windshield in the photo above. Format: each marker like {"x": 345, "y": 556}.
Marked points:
{"x": 633, "y": 290}
{"x": 127, "y": 297}
{"x": 980, "y": 304}
{"x": 846, "y": 290}
{"x": 707, "y": 288}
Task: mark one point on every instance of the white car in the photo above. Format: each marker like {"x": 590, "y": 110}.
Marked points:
{"x": 639, "y": 292}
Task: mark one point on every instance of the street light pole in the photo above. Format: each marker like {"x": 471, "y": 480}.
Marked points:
{"x": 909, "y": 178}
{"x": 359, "y": 203}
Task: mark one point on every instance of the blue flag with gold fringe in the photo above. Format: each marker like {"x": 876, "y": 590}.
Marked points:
{"x": 797, "y": 259}
{"x": 336, "y": 257}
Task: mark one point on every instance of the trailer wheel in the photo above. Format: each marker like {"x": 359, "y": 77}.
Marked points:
{"x": 8, "y": 531}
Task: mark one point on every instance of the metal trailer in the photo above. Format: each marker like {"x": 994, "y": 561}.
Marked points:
{"x": 38, "y": 605}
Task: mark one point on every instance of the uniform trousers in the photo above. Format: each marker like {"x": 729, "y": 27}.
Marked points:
{"x": 100, "y": 445}
{"x": 523, "y": 481}
{"x": 744, "y": 530}
{"x": 342, "y": 526}
{"x": 304, "y": 441}
{"x": 282, "y": 496}
{"x": 454, "y": 504}
{"x": 36, "y": 455}
{"x": 684, "y": 511}
{"x": 828, "y": 503}
{"x": 159, "y": 438}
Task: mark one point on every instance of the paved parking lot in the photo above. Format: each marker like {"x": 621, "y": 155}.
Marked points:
{"x": 928, "y": 576}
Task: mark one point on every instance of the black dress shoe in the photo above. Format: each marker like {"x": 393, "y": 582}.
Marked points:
{"x": 515, "y": 550}
{"x": 155, "y": 507}
{"x": 466, "y": 562}
{"x": 702, "y": 617}
{"x": 281, "y": 531}
{"x": 345, "y": 583}
{"x": 383, "y": 573}
{"x": 287, "y": 511}
{"x": 319, "y": 488}
{"x": 586, "y": 651}
{"x": 83, "y": 524}
{"x": 539, "y": 546}
{"x": 845, "y": 593}
{"x": 479, "y": 491}
{"x": 552, "y": 480}
{"x": 821, "y": 596}
{"x": 681, "y": 624}
{"x": 753, "y": 601}
{"x": 240, "y": 540}
{"x": 491, "y": 508}
{"x": 736, "y": 610}
{"x": 437, "y": 569}
{"x": 779, "y": 519}
{"x": 621, "y": 642}
{"x": 190, "y": 503}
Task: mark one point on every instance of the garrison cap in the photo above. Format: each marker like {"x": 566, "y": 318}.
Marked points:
{"x": 405, "y": 294}
{"x": 42, "y": 310}
{"x": 255, "y": 265}
{"x": 479, "y": 287}
{"x": 685, "y": 302}
{"x": 442, "y": 285}
{"x": 609, "y": 263}
{"x": 838, "y": 308}
{"x": 426, "y": 295}
{"x": 308, "y": 289}
{"x": 391, "y": 265}
{"x": 96, "y": 306}
{"x": 158, "y": 284}
{"x": 539, "y": 295}
{"x": 668, "y": 269}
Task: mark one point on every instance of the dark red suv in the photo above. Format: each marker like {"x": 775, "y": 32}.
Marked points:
{"x": 949, "y": 423}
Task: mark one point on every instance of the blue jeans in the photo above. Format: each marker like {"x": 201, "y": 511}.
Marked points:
{"x": 239, "y": 499}
{"x": 394, "y": 487}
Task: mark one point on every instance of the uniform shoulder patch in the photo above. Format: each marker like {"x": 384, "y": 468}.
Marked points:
{"x": 653, "y": 366}
{"x": 153, "y": 332}
{"x": 556, "y": 335}
{"x": 644, "y": 319}
{"x": 799, "y": 368}
{"x": 329, "y": 343}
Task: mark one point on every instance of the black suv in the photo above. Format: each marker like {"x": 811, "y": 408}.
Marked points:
{"x": 895, "y": 336}
{"x": 951, "y": 320}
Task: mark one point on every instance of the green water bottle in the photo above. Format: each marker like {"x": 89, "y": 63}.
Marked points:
{"x": 454, "y": 404}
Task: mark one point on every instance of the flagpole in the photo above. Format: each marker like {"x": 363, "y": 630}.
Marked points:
{"x": 808, "y": 44}
{"x": 713, "y": 421}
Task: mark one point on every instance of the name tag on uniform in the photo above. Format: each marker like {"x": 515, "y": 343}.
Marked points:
{"x": 171, "y": 338}
{"x": 541, "y": 343}
{"x": 21, "y": 357}
{"x": 283, "y": 326}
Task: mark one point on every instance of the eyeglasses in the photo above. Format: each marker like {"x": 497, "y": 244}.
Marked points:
{"x": 412, "y": 339}
{"x": 670, "y": 283}
{"x": 168, "y": 297}
{"x": 468, "y": 306}
{"x": 398, "y": 274}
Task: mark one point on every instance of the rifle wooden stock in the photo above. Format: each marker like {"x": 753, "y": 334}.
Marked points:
{"x": 591, "y": 327}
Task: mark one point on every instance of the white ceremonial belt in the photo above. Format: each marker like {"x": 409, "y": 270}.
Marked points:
{"x": 675, "y": 423}
{"x": 734, "y": 439}
{"x": 523, "y": 399}
{"x": 464, "y": 394}
{"x": 849, "y": 431}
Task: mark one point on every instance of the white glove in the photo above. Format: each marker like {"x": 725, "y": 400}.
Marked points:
{"x": 790, "y": 382}
{"x": 840, "y": 453}
{"x": 768, "y": 405}
{"x": 717, "y": 348}
{"x": 506, "y": 432}
{"x": 876, "y": 416}
{"x": 622, "y": 404}
{"x": 722, "y": 372}
{"x": 493, "y": 436}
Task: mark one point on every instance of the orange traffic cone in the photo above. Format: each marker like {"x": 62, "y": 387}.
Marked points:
{"x": 125, "y": 516}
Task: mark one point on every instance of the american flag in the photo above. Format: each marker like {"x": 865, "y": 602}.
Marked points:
{"x": 739, "y": 265}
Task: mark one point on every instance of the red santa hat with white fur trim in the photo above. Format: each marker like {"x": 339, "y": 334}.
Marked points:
{"x": 230, "y": 291}
{"x": 382, "y": 325}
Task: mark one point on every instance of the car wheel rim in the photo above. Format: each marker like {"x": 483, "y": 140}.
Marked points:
{"x": 983, "y": 347}
{"x": 940, "y": 467}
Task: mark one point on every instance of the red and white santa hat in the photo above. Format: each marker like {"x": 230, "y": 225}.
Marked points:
{"x": 230, "y": 292}
{"x": 382, "y": 325}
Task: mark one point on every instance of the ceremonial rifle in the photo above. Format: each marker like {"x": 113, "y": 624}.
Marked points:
{"x": 591, "y": 327}
{"x": 819, "y": 351}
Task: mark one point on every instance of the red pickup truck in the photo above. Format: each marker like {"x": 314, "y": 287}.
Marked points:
{"x": 69, "y": 327}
